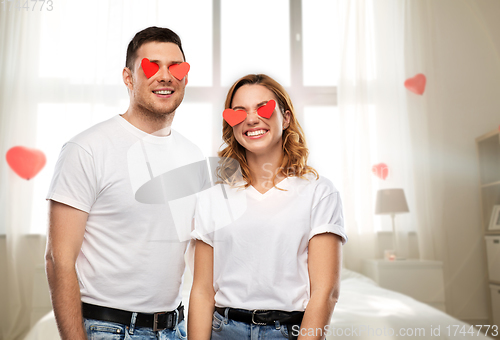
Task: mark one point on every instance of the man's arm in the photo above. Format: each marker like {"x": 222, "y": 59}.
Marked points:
{"x": 65, "y": 237}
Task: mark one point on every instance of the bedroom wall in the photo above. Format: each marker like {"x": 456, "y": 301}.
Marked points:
{"x": 467, "y": 88}
{"x": 30, "y": 260}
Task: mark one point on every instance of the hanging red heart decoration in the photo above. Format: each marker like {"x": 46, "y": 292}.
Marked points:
{"x": 380, "y": 170}
{"x": 25, "y": 162}
{"x": 416, "y": 84}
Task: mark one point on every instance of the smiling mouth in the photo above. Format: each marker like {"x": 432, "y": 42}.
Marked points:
{"x": 163, "y": 92}
{"x": 255, "y": 133}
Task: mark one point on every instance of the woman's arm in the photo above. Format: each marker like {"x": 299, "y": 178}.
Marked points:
{"x": 201, "y": 300}
{"x": 324, "y": 262}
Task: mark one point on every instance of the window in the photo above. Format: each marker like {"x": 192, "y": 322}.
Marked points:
{"x": 254, "y": 40}
{"x": 292, "y": 41}
{"x": 320, "y": 27}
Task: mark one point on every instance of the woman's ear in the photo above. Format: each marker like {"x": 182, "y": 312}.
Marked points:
{"x": 286, "y": 119}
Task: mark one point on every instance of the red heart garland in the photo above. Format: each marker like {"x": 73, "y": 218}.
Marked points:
{"x": 267, "y": 110}
{"x": 179, "y": 71}
{"x": 381, "y": 170}
{"x": 25, "y": 162}
{"x": 233, "y": 117}
{"x": 149, "y": 68}
{"x": 416, "y": 84}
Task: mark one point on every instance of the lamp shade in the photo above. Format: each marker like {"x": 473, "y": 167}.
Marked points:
{"x": 391, "y": 201}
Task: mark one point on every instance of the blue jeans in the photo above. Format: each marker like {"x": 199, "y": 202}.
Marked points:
{"x": 227, "y": 329}
{"x": 104, "y": 330}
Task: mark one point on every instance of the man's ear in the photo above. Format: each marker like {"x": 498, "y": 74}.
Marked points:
{"x": 186, "y": 80}
{"x": 128, "y": 78}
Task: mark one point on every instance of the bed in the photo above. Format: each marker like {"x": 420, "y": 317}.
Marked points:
{"x": 378, "y": 313}
{"x": 364, "y": 311}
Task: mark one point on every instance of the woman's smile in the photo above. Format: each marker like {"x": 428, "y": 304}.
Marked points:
{"x": 256, "y": 133}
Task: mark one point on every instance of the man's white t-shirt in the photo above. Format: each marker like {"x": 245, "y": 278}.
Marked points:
{"x": 260, "y": 241}
{"x": 132, "y": 256}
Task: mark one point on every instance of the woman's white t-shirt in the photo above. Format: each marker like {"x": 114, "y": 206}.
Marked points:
{"x": 260, "y": 241}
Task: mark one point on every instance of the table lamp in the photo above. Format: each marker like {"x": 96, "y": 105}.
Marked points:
{"x": 391, "y": 202}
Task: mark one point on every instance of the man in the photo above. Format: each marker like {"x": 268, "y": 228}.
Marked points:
{"x": 115, "y": 264}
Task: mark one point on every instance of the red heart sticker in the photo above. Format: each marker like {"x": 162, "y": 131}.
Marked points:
{"x": 381, "y": 170}
{"x": 179, "y": 71}
{"x": 267, "y": 110}
{"x": 416, "y": 84}
{"x": 149, "y": 68}
{"x": 234, "y": 117}
{"x": 25, "y": 162}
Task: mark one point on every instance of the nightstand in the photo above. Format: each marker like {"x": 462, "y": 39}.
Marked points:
{"x": 420, "y": 279}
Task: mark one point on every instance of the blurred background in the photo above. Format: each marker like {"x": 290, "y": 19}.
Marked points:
{"x": 344, "y": 63}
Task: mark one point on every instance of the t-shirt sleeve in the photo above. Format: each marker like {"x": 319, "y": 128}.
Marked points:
{"x": 202, "y": 220}
{"x": 327, "y": 217}
{"x": 74, "y": 182}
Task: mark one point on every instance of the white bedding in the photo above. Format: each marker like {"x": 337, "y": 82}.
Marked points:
{"x": 364, "y": 311}
{"x": 363, "y": 305}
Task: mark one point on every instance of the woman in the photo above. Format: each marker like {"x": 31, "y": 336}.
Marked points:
{"x": 271, "y": 270}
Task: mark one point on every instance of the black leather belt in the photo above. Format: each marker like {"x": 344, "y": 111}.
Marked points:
{"x": 262, "y": 317}
{"x": 156, "y": 321}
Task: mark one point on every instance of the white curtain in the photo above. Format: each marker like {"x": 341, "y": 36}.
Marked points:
{"x": 381, "y": 122}
{"x": 354, "y": 101}
{"x": 418, "y": 47}
{"x": 18, "y": 83}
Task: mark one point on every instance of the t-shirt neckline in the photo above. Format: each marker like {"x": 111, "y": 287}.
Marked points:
{"x": 144, "y": 136}
{"x": 261, "y": 196}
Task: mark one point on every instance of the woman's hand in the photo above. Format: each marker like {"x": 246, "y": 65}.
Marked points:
{"x": 201, "y": 299}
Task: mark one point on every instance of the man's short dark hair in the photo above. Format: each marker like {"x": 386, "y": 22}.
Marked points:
{"x": 157, "y": 34}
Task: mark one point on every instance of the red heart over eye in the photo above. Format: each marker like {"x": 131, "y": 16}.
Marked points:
{"x": 267, "y": 110}
{"x": 234, "y": 117}
{"x": 179, "y": 71}
{"x": 149, "y": 68}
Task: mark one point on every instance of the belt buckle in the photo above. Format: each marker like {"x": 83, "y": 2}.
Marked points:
{"x": 253, "y": 314}
{"x": 155, "y": 321}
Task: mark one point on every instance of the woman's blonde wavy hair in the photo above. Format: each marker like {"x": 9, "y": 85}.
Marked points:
{"x": 295, "y": 152}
